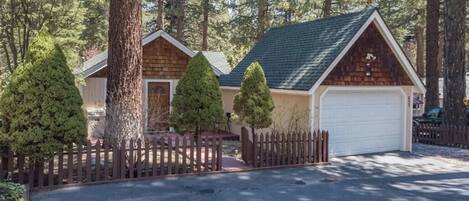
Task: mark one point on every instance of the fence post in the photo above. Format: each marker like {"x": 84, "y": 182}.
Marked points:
{"x": 139, "y": 158}
{"x": 254, "y": 151}
{"x": 219, "y": 153}
{"x": 162, "y": 165}
{"x": 206, "y": 146}
{"x": 199, "y": 154}
{"x": 184, "y": 155}
{"x": 326, "y": 146}
{"x": 106, "y": 159}
{"x": 147, "y": 158}
{"x": 88, "y": 161}
{"x": 154, "y": 151}
{"x": 98, "y": 161}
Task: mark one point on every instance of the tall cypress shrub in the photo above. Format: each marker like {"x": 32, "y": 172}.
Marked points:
{"x": 40, "y": 109}
{"x": 197, "y": 104}
{"x": 254, "y": 104}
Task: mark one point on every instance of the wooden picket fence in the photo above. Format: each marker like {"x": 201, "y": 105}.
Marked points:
{"x": 444, "y": 135}
{"x": 267, "y": 150}
{"x": 104, "y": 162}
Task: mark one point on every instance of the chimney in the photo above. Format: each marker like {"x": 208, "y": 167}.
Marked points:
{"x": 410, "y": 49}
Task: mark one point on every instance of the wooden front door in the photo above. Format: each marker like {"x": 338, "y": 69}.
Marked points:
{"x": 158, "y": 106}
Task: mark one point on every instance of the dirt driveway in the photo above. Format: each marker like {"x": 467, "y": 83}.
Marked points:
{"x": 385, "y": 176}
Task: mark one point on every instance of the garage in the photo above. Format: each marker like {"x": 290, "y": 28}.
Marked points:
{"x": 363, "y": 121}
{"x": 357, "y": 84}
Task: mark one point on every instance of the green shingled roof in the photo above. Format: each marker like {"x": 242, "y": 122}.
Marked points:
{"x": 295, "y": 56}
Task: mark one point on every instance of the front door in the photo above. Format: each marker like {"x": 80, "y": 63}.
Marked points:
{"x": 158, "y": 95}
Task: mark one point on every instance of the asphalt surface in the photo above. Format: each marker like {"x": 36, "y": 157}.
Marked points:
{"x": 394, "y": 176}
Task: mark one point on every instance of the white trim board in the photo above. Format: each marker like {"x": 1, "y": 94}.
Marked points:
{"x": 404, "y": 61}
{"x": 146, "y": 40}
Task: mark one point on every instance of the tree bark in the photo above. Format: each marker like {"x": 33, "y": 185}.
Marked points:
{"x": 262, "y": 8}
{"x": 327, "y": 7}
{"x": 433, "y": 15}
{"x": 454, "y": 62}
{"x": 205, "y": 6}
{"x": 124, "y": 81}
{"x": 160, "y": 16}
{"x": 419, "y": 38}
{"x": 180, "y": 20}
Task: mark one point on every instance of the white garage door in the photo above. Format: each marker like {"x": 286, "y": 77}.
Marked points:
{"x": 362, "y": 121}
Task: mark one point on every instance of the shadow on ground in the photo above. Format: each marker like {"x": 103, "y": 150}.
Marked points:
{"x": 385, "y": 176}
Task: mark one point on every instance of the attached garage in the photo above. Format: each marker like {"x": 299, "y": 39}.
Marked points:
{"x": 363, "y": 121}
{"x": 359, "y": 83}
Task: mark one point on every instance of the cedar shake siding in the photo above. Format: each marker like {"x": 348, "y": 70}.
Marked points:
{"x": 385, "y": 69}
{"x": 161, "y": 60}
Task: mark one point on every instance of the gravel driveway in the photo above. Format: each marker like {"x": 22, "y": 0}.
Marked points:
{"x": 387, "y": 176}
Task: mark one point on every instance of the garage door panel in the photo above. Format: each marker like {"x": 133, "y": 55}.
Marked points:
{"x": 368, "y": 138}
{"x": 369, "y": 145}
{"x": 362, "y": 121}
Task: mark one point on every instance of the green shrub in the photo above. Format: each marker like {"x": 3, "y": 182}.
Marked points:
{"x": 10, "y": 191}
{"x": 40, "y": 109}
{"x": 253, "y": 104}
{"x": 197, "y": 103}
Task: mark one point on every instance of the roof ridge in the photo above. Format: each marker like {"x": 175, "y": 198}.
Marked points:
{"x": 362, "y": 11}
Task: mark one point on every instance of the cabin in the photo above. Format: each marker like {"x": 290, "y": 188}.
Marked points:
{"x": 164, "y": 62}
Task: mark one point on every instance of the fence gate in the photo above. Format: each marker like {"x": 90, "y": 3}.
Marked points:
{"x": 266, "y": 150}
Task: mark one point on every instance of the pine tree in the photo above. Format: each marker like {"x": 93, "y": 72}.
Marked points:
{"x": 432, "y": 98}
{"x": 454, "y": 63}
{"x": 40, "y": 109}
{"x": 124, "y": 81}
{"x": 253, "y": 104}
{"x": 327, "y": 7}
{"x": 197, "y": 104}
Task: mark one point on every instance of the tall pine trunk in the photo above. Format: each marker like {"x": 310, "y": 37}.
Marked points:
{"x": 180, "y": 10}
{"x": 262, "y": 9}
{"x": 160, "y": 15}
{"x": 432, "y": 74}
{"x": 205, "y": 6}
{"x": 420, "y": 40}
{"x": 124, "y": 81}
{"x": 454, "y": 62}
{"x": 327, "y": 7}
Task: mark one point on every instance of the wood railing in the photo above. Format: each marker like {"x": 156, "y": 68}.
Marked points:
{"x": 445, "y": 135}
{"x": 267, "y": 150}
{"x": 109, "y": 161}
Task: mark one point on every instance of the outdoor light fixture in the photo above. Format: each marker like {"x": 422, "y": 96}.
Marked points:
{"x": 369, "y": 58}
{"x": 368, "y": 70}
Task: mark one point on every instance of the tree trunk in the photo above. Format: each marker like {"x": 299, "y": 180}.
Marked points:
{"x": 432, "y": 95}
{"x": 180, "y": 19}
{"x": 205, "y": 6}
{"x": 454, "y": 62}
{"x": 419, "y": 38}
{"x": 124, "y": 81}
{"x": 327, "y": 7}
{"x": 160, "y": 17}
{"x": 262, "y": 8}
